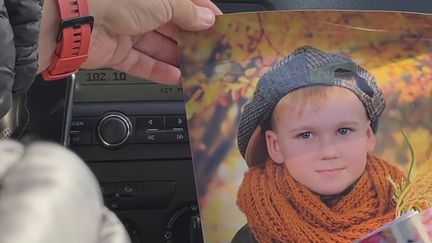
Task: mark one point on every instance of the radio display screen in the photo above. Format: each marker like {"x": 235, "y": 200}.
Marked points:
{"x": 112, "y": 85}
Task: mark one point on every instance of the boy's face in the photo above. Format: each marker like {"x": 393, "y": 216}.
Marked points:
{"x": 322, "y": 144}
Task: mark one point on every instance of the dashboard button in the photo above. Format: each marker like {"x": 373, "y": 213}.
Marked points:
{"x": 129, "y": 189}
{"x": 150, "y": 136}
{"x": 108, "y": 189}
{"x": 80, "y": 124}
{"x": 150, "y": 122}
{"x": 175, "y": 121}
{"x": 79, "y": 137}
{"x": 176, "y": 136}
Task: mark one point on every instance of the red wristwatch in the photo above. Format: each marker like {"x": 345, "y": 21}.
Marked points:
{"x": 73, "y": 39}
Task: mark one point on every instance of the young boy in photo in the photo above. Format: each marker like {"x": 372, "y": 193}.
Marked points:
{"x": 307, "y": 135}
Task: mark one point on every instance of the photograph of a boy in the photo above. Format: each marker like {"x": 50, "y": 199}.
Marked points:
{"x": 308, "y": 136}
{"x": 221, "y": 68}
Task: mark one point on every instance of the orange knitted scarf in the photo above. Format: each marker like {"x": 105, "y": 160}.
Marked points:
{"x": 278, "y": 209}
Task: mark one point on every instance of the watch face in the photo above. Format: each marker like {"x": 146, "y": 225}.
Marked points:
{"x": 48, "y": 105}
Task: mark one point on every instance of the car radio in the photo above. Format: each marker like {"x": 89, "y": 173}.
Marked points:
{"x": 116, "y": 113}
{"x": 133, "y": 135}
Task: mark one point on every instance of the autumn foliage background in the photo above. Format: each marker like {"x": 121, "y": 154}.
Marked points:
{"x": 221, "y": 67}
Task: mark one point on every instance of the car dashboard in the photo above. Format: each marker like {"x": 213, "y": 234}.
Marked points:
{"x": 133, "y": 135}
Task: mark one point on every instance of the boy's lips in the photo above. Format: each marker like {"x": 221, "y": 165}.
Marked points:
{"x": 330, "y": 170}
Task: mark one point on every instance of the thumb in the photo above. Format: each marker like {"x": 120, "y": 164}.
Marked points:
{"x": 189, "y": 16}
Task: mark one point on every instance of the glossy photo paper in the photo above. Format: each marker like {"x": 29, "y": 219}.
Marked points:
{"x": 221, "y": 67}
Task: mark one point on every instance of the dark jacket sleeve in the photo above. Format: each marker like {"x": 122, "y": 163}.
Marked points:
{"x": 244, "y": 235}
{"x": 19, "y": 32}
{"x": 25, "y": 17}
{"x": 7, "y": 60}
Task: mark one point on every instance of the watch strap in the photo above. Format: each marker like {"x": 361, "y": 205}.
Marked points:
{"x": 73, "y": 39}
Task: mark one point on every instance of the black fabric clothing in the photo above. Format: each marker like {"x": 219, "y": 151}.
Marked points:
{"x": 19, "y": 32}
{"x": 244, "y": 235}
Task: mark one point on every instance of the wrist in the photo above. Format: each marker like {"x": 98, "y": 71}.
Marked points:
{"x": 48, "y": 32}
{"x": 64, "y": 38}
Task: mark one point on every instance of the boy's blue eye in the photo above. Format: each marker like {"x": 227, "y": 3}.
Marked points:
{"x": 305, "y": 135}
{"x": 344, "y": 131}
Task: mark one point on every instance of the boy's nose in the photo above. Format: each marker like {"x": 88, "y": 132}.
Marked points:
{"x": 329, "y": 150}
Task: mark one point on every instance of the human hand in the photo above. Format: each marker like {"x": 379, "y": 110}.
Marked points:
{"x": 139, "y": 37}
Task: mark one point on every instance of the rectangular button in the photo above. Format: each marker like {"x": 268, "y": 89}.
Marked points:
{"x": 150, "y": 122}
{"x": 128, "y": 196}
{"x": 175, "y": 121}
{"x": 158, "y": 194}
{"x": 149, "y": 195}
{"x": 129, "y": 189}
{"x": 82, "y": 137}
{"x": 150, "y": 136}
{"x": 79, "y": 124}
{"x": 179, "y": 136}
{"x": 107, "y": 189}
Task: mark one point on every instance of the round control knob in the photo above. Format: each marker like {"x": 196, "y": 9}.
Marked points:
{"x": 184, "y": 226}
{"x": 114, "y": 129}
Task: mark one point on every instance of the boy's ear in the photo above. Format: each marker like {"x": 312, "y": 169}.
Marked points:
{"x": 273, "y": 147}
{"x": 371, "y": 140}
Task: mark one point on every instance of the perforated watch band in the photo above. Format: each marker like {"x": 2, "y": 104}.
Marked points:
{"x": 73, "y": 39}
